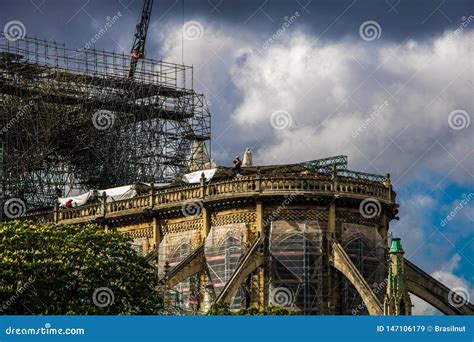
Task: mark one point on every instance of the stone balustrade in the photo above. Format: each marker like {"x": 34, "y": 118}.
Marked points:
{"x": 237, "y": 187}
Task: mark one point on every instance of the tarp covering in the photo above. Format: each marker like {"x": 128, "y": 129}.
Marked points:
{"x": 194, "y": 177}
{"x": 113, "y": 194}
{"x": 119, "y": 193}
{"x": 76, "y": 200}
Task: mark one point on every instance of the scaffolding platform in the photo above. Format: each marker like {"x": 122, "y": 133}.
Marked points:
{"x": 74, "y": 119}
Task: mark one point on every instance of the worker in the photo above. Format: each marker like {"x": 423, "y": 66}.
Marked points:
{"x": 69, "y": 204}
{"x": 237, "y": 164}
{"x": 136, "y": 54}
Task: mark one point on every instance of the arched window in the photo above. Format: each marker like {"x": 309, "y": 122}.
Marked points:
{"x": 367, "y": 258}
{"x": 296, "y": 267}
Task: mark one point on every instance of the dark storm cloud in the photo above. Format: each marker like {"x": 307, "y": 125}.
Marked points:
{"x": 74, "y": 21}
{"x": 400, "y": 19}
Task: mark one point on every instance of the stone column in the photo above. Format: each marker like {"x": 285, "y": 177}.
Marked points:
{"x": 56, "y": 211}
{"x": 259, "y": 275}
{"x": 156, "y": 233}
{"x": 259, "y": 220}
{"x": 332, "y": 277}
{"x": 204, "y": 296}
{"x": 206, "y": 223}
{"x": 152, "y": 196}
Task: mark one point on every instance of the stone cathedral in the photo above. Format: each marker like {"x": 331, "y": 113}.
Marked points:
{"x": 310, "y": 237}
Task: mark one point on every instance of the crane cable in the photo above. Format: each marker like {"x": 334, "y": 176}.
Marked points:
{"x": 182, "y": 32}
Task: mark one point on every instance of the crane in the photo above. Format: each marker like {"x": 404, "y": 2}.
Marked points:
{"x": 138, "y": 48}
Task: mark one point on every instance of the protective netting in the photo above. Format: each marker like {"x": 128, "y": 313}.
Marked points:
{"x": 296, "y": 266}
{"x": 224, "y": 247}
{"x": 365, "y": 247}
{"x": 173, "y": 249}
{"x": 139, "y": 245}
{"x": 73, "y": 119}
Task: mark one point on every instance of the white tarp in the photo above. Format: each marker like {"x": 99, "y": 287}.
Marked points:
{"x": 113, "y": 194}
{"x": 76, "y": 200}
{"x": 119, "y": 193}
{"x": 195, "y": 177}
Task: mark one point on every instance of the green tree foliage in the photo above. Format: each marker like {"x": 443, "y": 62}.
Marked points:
{"x": 223, "y": 309}
{"x": 220, "y": 309}
{"x": 67, "y": 269}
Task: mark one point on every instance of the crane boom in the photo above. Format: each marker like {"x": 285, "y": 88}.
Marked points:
{"x": 138, "y": 48}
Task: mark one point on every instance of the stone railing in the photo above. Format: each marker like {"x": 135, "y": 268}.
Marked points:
{"x": 237, "y": 187}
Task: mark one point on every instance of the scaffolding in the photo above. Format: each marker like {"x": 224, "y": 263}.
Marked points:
{"x": 174, "y": 248}
{"x": 296, "y": 266}
{"x": 74, "y": 119}
{"x": 224, "y": 247}
{"x": 366, "y": 249}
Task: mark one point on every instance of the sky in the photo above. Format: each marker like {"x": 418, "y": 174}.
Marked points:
{"x": 388, "y": 83}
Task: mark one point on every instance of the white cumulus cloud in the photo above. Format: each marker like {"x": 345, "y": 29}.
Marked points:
{"x": 384, "y": 104}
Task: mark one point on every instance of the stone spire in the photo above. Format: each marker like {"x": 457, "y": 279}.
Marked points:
{"x": 397, "y": 300}
{"x": 198, "y": 158}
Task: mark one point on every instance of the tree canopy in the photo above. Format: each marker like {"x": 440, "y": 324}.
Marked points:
{"x": 69, "y": 269}
{"x": 223, "y": 309}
